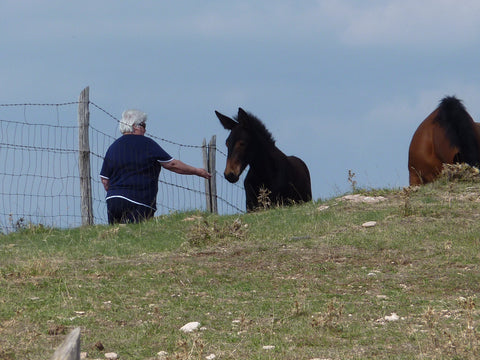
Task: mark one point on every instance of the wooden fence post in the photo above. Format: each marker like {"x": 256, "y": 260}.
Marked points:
{"x": 207, "y": 182}
{"x": 84, "y": 158}
{"x": 212, "y": 151}
{"x": 209, "y": 153}
{"x": 70, "y": 348}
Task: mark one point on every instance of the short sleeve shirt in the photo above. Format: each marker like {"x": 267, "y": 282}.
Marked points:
{"x": 132, "y": 165}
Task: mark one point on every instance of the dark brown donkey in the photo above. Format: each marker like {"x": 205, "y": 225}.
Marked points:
{"x": 286, "y": 178}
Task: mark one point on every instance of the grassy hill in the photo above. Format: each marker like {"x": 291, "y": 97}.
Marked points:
{"x": 305, "y": 282}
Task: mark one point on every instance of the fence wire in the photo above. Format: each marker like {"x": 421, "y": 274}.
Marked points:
{"x": 39, "y": 176}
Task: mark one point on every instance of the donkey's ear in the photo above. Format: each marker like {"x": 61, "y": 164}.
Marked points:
{"x": 242, "y": 112}
{"x": 243, "y": 117}
{"x": 228, "y": 123}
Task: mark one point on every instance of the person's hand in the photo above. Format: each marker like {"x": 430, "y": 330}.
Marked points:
{"x": 106, "y": 183}
{"x": 204, "y": 173}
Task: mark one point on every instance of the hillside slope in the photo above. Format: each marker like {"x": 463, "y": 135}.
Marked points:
{"x": 306, "y": 282}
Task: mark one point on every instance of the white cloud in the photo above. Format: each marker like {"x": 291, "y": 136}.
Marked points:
{"x": 391, "y": 23}
{"x": 404, "y": 22}
{"x": 355, "y": 23}
{"x": 404, "y": 113}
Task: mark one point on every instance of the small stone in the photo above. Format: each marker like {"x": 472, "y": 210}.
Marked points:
{"x": 268, "y": 347}
{"x": 111, "y": 356}
{"x": 162, "y": 355}
{"x": 191, "y": 326}
{"x": 210, "y": 357}
{"x": 369, "y": 224}
{"x": 392, "y": 317}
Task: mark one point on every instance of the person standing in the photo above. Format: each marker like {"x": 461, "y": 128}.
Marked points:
{"x": 131, "y": 168}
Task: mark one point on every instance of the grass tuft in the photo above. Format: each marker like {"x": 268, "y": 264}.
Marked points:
{"x": 459, "y": 172}
{"x": 206, "y": 233}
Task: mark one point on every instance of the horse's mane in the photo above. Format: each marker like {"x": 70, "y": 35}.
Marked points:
{"x": 256, "y": 126}
{"x": 458, "y": 125}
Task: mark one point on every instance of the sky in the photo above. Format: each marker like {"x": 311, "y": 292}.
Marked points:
{"x": 342, "y": 84}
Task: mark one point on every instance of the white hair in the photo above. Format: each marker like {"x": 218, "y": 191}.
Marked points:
{"x": 131, "y": 118}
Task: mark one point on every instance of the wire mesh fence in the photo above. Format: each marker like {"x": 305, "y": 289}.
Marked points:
{"x": 39, "y": 175}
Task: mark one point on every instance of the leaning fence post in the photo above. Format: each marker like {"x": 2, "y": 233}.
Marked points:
{"x": 70, "y": 348}
{"x": 84, "y": 158}
{"x": 212, "y": 151}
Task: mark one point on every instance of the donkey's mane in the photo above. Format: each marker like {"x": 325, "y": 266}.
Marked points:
{"x": 257, "y": 127}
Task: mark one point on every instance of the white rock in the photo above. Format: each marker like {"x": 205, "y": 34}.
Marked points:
{"x": 369, "y": 224}
{"x": 210, "y": 357}
{"x": 362, "y": 198}
{"x": 323, "y": 207}
{"x": 392, "y": 317}
{"x": 192, "y": 218}
{"x": 191, "y": 326}
{"x": 268, "y": 347}
{"x": 111, "y": 356}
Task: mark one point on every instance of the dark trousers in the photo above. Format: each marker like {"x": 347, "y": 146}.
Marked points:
{"x": 123, "y": 211}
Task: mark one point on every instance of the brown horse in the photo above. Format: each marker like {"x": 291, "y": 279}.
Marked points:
{"x": 286, "y": 178}
{"x": 447, "y": 136}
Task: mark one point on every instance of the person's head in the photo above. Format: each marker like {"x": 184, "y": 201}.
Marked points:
{"x": 132, "y": 120}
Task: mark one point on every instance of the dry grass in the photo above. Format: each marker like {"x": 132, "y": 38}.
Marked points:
{"x": 459, "y": 172}
{"x": 205, "y": 232}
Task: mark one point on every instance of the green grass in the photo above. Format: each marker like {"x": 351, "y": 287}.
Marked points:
{"x": 312, "y": 283}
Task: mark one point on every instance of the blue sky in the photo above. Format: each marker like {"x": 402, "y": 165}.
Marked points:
{"x": 341, "y": 84}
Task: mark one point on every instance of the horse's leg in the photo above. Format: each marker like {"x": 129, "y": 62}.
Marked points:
{"x": 251, "y": 193}
{"x": 251, "y": 202}
{"x": 415, "y": 177}
{"x": 424, "y": 170}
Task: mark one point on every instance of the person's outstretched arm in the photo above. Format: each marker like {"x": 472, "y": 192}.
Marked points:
{"x": 180, "y": 167}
